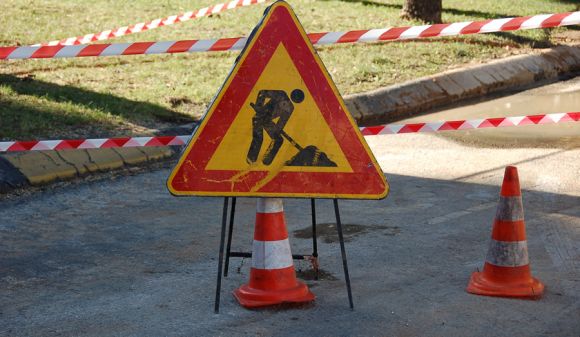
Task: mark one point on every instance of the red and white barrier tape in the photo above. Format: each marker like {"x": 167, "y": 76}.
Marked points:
{"x": 372, "y": 35}
{"x": 101, "y": 143}
{"x": 460, "y": 125}
{"x": 39, "y": 145}
{"x": 143, "y": 26}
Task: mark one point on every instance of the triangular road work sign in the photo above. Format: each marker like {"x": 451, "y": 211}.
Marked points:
{"x": 278, "y": 127}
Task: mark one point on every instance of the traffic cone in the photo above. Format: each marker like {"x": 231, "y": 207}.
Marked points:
{"x": 506, "y": 272}
{"x": 272, "y": 277}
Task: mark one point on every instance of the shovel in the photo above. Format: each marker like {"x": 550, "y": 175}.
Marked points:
{"x": 307, "y": 156}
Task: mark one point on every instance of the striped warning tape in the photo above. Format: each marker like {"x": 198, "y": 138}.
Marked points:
{"x": 39, "y": 145}
{"x": 372, "y": 35}
{"x": 143, "y": 26}
{"x": 471, "y": 124}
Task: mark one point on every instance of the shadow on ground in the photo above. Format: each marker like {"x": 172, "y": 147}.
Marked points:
{"x": 19, "y": 118}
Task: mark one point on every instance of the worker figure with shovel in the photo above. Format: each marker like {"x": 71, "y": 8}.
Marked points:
{"x": 275, "y": 104}
{"x": 271, "y": 104}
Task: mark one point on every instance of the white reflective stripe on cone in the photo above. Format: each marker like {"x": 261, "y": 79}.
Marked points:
{"x": 508, "y": 254}
{"x": 269, "y": 205}
{"x": 510, "y": 209}
{"x": 271, "y": 254}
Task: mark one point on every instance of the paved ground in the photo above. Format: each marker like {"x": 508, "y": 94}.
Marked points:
{"x": 121, "y": 256}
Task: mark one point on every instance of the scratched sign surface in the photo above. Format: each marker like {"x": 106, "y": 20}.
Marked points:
{"x": 278, "y": 127}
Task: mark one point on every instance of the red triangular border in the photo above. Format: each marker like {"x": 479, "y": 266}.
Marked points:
{"x": 279, "y": 25}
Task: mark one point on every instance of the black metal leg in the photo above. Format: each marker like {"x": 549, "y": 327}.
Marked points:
{"x": 221, "y": 256}
{"x": 229, "y": 244}
{"x": 343, "y": 252}
{"x": 314, "y": 239}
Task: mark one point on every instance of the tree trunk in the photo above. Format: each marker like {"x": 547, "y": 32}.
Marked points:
{"x": 425, "y": 10}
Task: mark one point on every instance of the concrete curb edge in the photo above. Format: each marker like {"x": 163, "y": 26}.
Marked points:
{"x": 37, "y": 168}
{"x": 414, "y": 97}
{"x": 10, "y": 177}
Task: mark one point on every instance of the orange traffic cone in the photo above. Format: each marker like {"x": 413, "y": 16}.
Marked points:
{"x": 506, "y": 272}
{"x": 272, "y": 277}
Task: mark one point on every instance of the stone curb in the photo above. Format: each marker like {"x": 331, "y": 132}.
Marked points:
{"x": 10, "y": 176}
{"x": 36, "y": 168}
{"x": 414, "y": 97}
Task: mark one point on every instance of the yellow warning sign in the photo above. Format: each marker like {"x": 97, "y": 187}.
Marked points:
{"x": 278, "y": 127}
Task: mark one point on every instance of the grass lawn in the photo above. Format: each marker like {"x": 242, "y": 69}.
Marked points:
{"x": 132, "y": 95}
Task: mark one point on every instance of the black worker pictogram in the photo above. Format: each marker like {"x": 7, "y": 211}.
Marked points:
{"x": 273, "y": 110}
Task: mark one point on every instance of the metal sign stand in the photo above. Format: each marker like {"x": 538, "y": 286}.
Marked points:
{"x": 221, "y": 256}
{"x": 223, "y": 270}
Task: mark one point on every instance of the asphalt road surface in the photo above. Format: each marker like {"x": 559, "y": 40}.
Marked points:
{"x": 121, "y": 257}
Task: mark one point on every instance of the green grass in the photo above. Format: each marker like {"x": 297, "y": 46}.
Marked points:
{"x": 134, "y": 94}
